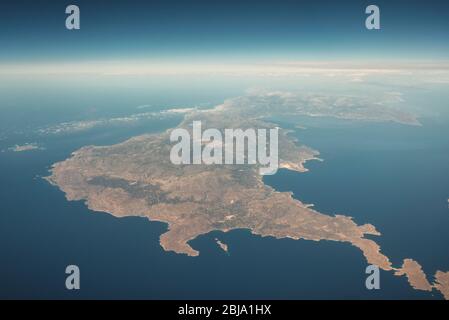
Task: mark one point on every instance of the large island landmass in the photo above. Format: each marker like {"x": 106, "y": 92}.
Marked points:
{"x": 136, "y": 178}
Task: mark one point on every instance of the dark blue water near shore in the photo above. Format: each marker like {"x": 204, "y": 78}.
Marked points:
{"x": 121, "y": 258}
{"x": 42, "y": 233}
{"x": 390, "y": 175}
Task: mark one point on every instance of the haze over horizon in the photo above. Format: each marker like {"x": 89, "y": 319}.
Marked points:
{"x": 222, "y": 31}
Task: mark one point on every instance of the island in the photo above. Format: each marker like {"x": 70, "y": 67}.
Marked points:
{"x": 137, "y": 178}
{"x": 222, "y": 245}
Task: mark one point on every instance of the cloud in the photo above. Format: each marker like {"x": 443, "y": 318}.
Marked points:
{"x": 262, "y": 68}
{"x": 85, "y": 125}
{"x": 25, "y": 147}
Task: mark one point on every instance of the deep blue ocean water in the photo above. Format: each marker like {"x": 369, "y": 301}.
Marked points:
{"x": 390, "y": 175}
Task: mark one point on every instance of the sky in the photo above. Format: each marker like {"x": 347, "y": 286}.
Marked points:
{"x": 219, "y": 31}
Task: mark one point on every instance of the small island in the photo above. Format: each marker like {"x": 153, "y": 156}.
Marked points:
{"x": 222, "y": 245}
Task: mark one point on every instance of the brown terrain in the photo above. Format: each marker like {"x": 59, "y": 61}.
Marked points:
{"x": 136, "y": 178}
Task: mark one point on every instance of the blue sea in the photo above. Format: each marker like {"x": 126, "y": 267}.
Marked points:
{"x": 393, "y": 176}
